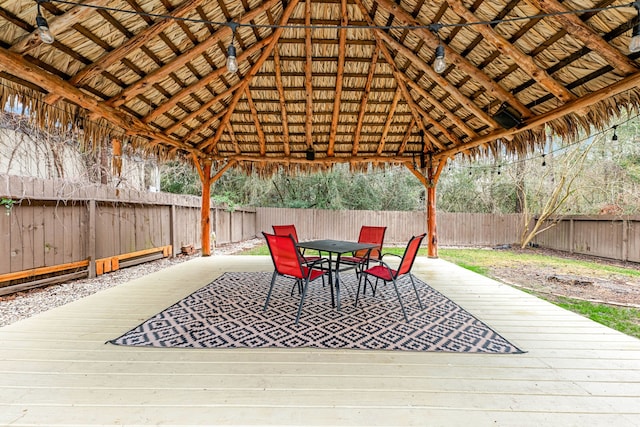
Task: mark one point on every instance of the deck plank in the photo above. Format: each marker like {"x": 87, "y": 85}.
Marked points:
{"x": 55, "y": 368}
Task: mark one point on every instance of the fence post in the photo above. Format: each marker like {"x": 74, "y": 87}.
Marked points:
{"x": 92, "y": 238}
{"x": 173, "y": 233}
{"x": 572, "y": 243}
{"x": 625, "y": 239}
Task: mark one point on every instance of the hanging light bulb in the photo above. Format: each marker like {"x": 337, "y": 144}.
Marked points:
{"x": 615, "y": 135}
{"x": 439, "y": 64}
{"x": 232, "y": 61}
{"x": 43, "y": 27}
{"x": 544, "y": 162}
{"x": 634, "y": 43}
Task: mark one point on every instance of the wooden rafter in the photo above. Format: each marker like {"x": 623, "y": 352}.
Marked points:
{"x": 342, "y": 47}
{"x": 437, "y": 104}
{"x": 492, "y": 88}
{"x": 387, "y": 125}
{"x": 444, "y": 84}
{"x": 397, "y": 75}
{"x": 363, "y": 102}
{"x": 234, "y": 141}
{"x": 148, "y": 80}
{"x": 256, "y": 121}
{"x": 202, "y": 83}
{"x": 308, "y": 75}
{"x": 289, "y": 160}
{"x": 283, "y": 104}
{"x": 577, "y": 28}
{"x": 18, "y": 65}
{"x": 214, "y": 118}
{"x": 625, "y": 84}
{"x": 286, "y": 14}
{"x": 57, "y": 25}
{"x": 524, "y": 61}
{"x": 406, "y": 137}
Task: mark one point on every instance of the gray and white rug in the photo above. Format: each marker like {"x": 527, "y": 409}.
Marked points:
{"x": 228, "y": 313}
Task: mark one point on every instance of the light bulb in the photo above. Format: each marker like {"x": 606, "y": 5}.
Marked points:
{"x": 43, "y": 30}
{"x": 439, "y": 64}
{"x": 232, "y": 62}
{"x": 634, "y": 43}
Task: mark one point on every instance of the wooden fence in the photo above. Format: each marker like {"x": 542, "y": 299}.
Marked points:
{"x": 453, "y": 229}
{"x": 616, "y": 237}
{"x": 56, "y": 230}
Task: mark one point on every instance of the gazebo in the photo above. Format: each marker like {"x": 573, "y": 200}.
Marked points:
{"x": 270, "y": 84}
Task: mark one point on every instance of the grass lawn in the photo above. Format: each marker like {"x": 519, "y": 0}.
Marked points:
{"x": 626, "y": 320}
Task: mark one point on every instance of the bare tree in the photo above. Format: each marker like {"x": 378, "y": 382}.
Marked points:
{"x": 554, "y": 189}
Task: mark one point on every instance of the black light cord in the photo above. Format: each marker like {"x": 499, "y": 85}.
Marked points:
{"x": 434, "y": 27}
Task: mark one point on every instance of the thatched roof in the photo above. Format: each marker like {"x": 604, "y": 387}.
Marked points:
{"x": 352, "y": 79}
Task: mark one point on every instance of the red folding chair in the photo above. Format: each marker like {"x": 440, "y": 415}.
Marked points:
{"x": 288, "y": 262}
{"x": 368, "y": 234}
{"x": 290, "y": 229}
{"x": 384, "y": 272}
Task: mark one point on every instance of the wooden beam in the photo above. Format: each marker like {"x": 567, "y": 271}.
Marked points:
{"x": 363, "y": 102}
{"x": 433, "y": 101}
{"x": 493, "y": 89}
{"x": 283, "y": 104}
{"x": 387, "y": 125}
{"x": 342, "y": 47}
{"x": 117, "y": 54}
{"x": 57, "y": 25}
{"x": 573, "y": 25}
{"x": 581, "y": 103}
{"x": 234, "y": 141}
{"x": 308, "y": 124}
{"x": 443, "y": 83}
{"x": 202, "y": 83}
{"x": 397, "y": 75}
{"x": 256, "y": 121}
{"x": 19, "y": 66}
{"x": 283, "y": 160}
{"x": 525, "y": 62}
{"x": 286, "y": 14}
{"x": 405, "y": 138}
{"x": 158, "y": 74}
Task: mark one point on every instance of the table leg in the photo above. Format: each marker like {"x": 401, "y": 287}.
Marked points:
{"x": 333, "y": 303}
{"x": 338, "y": 282}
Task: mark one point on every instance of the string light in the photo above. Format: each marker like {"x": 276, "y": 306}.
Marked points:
{"x": 615, "y": 134}
{"x": 43, "y": 26}
{"x": 232, "y": 62}
{"x": 431, "y": 27}
{"x": 544, "y": 162}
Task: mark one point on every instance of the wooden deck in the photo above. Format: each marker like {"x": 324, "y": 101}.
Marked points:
{"x": 55, "y": 368}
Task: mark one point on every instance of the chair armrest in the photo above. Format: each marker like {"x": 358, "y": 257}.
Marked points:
{"x": 318, "y": 262}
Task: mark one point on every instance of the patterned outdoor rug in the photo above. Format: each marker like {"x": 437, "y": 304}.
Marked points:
{"x": 228, "y": 312}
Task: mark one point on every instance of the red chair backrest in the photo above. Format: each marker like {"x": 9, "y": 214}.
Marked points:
{"x": 410, "y": 255}
{"x": 285, "y": 230}
{"x": 285, "y": 255}
{"x": 371, "y": 234}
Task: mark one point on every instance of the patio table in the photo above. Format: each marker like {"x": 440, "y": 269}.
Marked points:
{"x": 338, "y": 247}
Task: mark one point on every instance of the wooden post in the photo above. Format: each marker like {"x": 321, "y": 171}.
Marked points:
{"x": 433, "y": 173}
{"x": 92, "y": 238}
{"x": 205, "y": 211}
{"x": 432, "y": 235}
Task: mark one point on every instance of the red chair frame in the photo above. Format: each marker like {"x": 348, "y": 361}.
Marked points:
{"x": 384, "y": 272}
{"x": 288, "y": 263}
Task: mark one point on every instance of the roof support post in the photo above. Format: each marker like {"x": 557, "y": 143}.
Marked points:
{"x": 430, "y": 182}
{"x": 205, "y": 206}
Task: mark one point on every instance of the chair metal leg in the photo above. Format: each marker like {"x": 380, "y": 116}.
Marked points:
{"x": 304, "y": 293}
{"x": 416, "y": 290}
{"x": 273, "y": 281}
{"x": 395, "y": 285}
{"x": 365, "y": 285}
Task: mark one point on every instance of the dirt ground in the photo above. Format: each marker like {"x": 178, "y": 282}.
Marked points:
{"x": 587, "y": 284}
